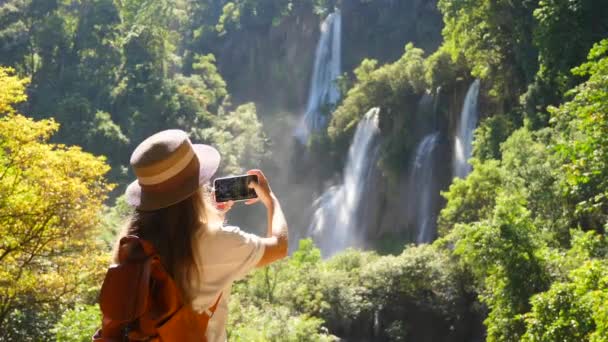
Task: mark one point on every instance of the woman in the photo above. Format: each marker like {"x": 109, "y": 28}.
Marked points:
{"x": 176, "y": 212}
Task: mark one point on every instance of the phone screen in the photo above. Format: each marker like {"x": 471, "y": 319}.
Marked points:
{"x": 234, "y": 188}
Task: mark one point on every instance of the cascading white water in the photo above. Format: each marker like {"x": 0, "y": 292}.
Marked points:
{"x": 463, "y": 144}
{"x": 327, "y": 68}
{"x": 421, "y": 188}
{"x": 335, "y": 221}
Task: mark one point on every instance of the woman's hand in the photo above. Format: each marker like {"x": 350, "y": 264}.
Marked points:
{"x": 262, "y": 189}
{"x": 222, "y": 207}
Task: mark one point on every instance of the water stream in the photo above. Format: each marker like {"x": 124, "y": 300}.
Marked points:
{"x": 422, "y": 189}
{"x": 463, "y": 143}
{"x": 336, "y": 220}
{"x": 323, "y": 89}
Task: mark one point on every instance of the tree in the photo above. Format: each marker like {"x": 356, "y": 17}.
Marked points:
{"x": 501, "y": 253}
{"x": 256, "y": 14}
{"x": 581, "y": 127}
{"x": 387, "y": 84}
{"x": 281, "y": 302}
{"x": 472, "y": 199}
{"x": 78, "y": 324}
{"x": 19, "y": 20}
{"x": 408, "y": 291}
{"x": 493, "y": 38}
{"x": 573, "y": 310}
{"x": 239, "y": 137}
{"x": 50, "y": 196}
{"x": 566, "y": 31}
{"x": 531, "y": 162}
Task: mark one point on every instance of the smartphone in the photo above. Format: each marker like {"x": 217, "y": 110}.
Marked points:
{"x": 234, "y": 188}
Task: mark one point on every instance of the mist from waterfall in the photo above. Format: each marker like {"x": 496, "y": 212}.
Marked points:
{"x": 422, "y": 189}
{"x": 336, "y": 220}
{"x": 323, "y": 88}
{"x": 463, "y": 143}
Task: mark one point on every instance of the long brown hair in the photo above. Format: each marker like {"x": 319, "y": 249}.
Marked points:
{"x": 172, "y": 231}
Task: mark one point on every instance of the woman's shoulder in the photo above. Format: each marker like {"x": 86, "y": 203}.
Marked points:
{"x": 230, "y": 244}
{"x": 227, "y": 235}
{"x": 222, "y": 232}
{"x": 229, "y": 230}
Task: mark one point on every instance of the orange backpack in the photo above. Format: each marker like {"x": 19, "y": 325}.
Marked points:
{"x": 140, "y": 301}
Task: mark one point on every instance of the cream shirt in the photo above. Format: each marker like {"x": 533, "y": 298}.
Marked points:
{"x": 226, "y": 255}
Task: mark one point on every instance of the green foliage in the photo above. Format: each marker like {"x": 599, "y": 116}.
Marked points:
{"x": 581, "y": 126}
{"x": 113, "y": 219}
{"x": 566, "y": 31}
{"x": 12, "y": 91}
{"x": 442, "y": 69}
{"x": 420, "y": 281}
{"x": 78, "y": 324}
{"x": 501, "y": 253}
{"x": 476, "y": 35}
{"x": 103, "y": 128}
{"x": 255, "y": 14}
{"x": 198, "y": 97}
{"x": 528, "y": 167}
{"x": 388, "y": 84}
{"x": 50, "y": 197}
{"x": 472, "y": 199}
{"x": 533, "y": 166}
{"x": 31, "y": 323}
{"x": 490, "y": 133}
{"x": 273, "y": 323}
{"x": 509, "y": 222}
{"x": 214, "y": 83}
{"x": 239, "y": 137}
{"x": 293, "y": 283}
{"x": 288, "y": 293}
{"x": 573, "y": 310}
{"x": 230, "y": 15}
{"x": 516, "y": 252}
{"x": 347, "y": 292}
{"x": 347, "y": 306}
{"x": 584, "y": 246}
{"x": 402, "y": 292}
{"x": 524, "y": 47}
{"x": 107, "y": 71}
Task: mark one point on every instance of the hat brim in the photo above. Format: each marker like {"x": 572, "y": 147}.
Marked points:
{"x": 209, "y": 161}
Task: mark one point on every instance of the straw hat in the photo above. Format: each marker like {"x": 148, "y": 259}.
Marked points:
{"x": 169, "y": 168}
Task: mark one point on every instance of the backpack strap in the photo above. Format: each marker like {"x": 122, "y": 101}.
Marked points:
{"x": 206, "y": 315}
{"x": 131, "y": 247}
{"x": 210, "y": 311}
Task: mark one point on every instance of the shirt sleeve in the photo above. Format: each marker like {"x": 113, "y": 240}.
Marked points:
{"x": 237, "y": 252}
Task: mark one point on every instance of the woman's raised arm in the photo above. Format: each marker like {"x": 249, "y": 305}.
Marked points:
{"x": 276, "y": 242}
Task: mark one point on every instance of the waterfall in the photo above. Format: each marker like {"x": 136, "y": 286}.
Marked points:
{"x": 336, "y": 219}
{"x": 422, "y": 190}
{"x": 463, "y": 144}
{"x": 323, "y": 88}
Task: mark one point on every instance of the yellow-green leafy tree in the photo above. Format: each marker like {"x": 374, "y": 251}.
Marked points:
{"x": 50, "y": 197}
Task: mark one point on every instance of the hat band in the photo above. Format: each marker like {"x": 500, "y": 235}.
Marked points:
{"x": 176, "y": 168}
{"x": 191, "y": 171}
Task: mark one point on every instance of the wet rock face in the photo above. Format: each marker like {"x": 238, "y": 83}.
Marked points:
{"x": 380, "y": 29}
{"x": 271, "y": 66}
